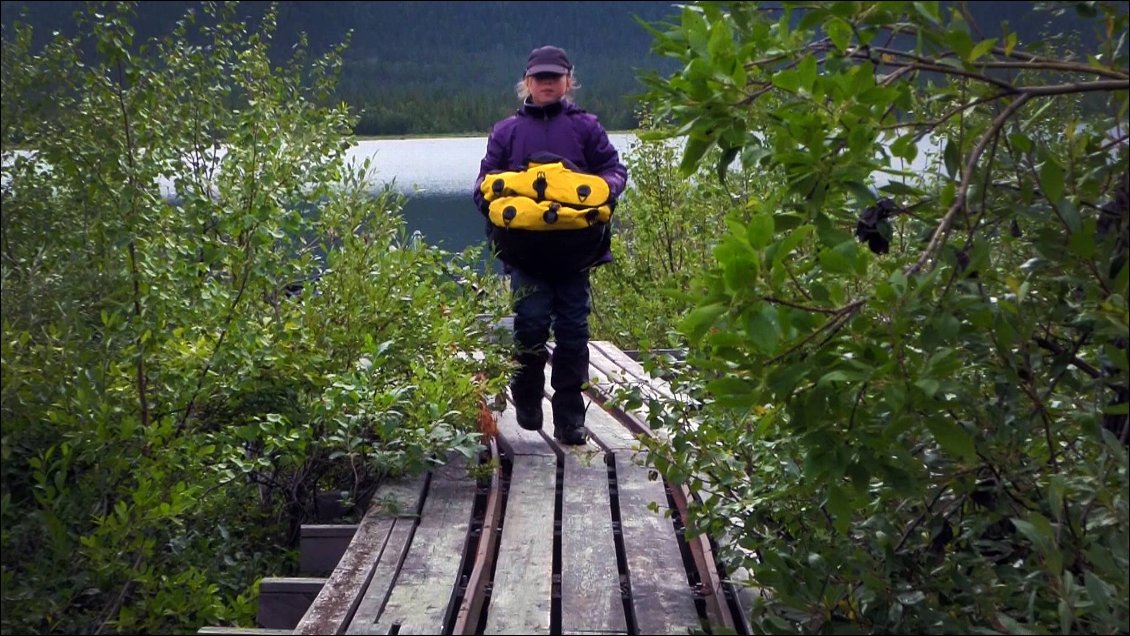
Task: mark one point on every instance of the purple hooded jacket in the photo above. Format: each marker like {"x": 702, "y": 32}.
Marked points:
{"x": 561, "y": 128}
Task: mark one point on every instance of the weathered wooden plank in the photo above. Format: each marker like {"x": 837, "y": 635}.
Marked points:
{"x": 470, "y": 609}
{"x": 633, "y": 371}
{"x": 740, "y": 581}
{"x": 338, "y": 600}
{"x": 610, "y": 381}
{"x": 376, "y": 593}
{"x": 717, "y": 606}
{"x": 609, "y": 432}
{"x": 615, "y": 374}
{"x": 746, "y": 593}
{"x": 710, "y": 582}
{"x": 243, "y": 631}
{"x": 400, "y": 499}
{"x": 624, "y": 373}
{"x": 521, "y": 594}
{"x": 655, "y": 566}
{"x": 591, "y": 599}
{"x": 422, "y": 599}
{"x": 661, "y": 596}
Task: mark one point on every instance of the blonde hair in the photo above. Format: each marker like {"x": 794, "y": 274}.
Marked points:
{"x": 523, "y": 90}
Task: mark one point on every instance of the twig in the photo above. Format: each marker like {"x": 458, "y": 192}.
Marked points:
{"x": 966, "y": 178}
{"x": 841, "y": 316}
{"x": 135, "y": 273}
{"x": 117, "y": 604}
{"x": 787, "y": 303}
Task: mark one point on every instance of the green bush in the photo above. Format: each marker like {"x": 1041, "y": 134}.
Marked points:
{"x": 930, "y": 438}
{"x": 184, "y": 376}
{"x": 665, "y": 229}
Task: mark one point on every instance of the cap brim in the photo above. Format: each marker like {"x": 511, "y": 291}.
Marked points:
{"x": 547, "y": 68}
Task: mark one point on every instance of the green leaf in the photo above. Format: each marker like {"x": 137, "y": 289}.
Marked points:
{"x": 840, "y": 33}
{"x": 1121, "y": 280}
{"x": 808, "y": 71}
{"x": 696, "y": 29}
{"x": 1082, "y": 243}
{"x": 692, "y": 154}
{"x": 1012, "y": 625}
{"x": 952, "y": 158}
{"x": 760, "y": 231}
{"x": 782, "y": 380}
{"x": 1122, "y": 408}
{"x": 898, "y": 188}
{"x": 960, "y": 41}
{"x": 764, "y": 333}
{"x": 739, "y": 262}
{"x": 1069, "y": 212}
{"x": 980, "y": 49}
{"x": 912, "y": 597}
{"x": 895, "y": 397}
{"x": 724, "y": 162}
{"x": 952, "y": 437}
{"x": 695, "y": 325}
{"x": 1022, "y": 142}
{"x": 835, "y": 261}
{"x": 1010, "y": 43}
{"x": 840, "y": 506}
{"x": 1051, "y": 179}
{"x": 840, "y": 259}
{"x": 721, "y": 42}
{"x": 788, "y": 80}
{"x": 790, "y": 242}
{"x": 863, "y": 193}
{"x": 730, "y": 386}
{"x": 1037, "y": 529}
{"x": 928, "y": 10}
{"x": 905, "y": 147}
{"x": 1097, "y": 592}
{"x": 831, "y": 377}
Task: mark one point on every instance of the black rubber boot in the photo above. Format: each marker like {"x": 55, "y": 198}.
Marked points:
{"x": 570, "y": 373}
{"x": 527, "y": 387}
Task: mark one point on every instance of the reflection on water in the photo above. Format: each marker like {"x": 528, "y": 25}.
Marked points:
{"x": 446, "y": 220}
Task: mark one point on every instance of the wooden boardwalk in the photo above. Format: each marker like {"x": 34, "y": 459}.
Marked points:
{"x": 555, "y": 540}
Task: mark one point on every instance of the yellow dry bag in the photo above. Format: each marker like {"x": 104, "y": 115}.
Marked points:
{"x": 548, "y": 182}
{"x": 523, "y": 213}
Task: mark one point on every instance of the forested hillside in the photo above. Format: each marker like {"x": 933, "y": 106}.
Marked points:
{"x": 450, "y": 67}
{"x": 437, "y": 67}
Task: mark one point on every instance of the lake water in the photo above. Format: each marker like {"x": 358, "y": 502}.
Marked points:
{"x": 437, "y": 176}
{"x": 438, "y": 173}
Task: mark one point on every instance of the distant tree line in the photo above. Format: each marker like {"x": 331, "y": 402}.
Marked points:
{"x": 434, "y": 67}
{"x": 449, "y": 67}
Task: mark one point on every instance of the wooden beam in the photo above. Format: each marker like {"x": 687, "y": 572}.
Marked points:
{"x": 474, "y": 596}
{"x": 521, "y": 595}
{"x": 422, "y": 600}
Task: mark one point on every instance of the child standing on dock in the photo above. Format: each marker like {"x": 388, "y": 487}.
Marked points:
{"x": 550, "y": 238}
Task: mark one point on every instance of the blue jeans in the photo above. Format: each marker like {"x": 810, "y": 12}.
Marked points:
{"x": 563, "y": 304}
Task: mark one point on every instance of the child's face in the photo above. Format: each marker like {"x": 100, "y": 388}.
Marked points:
{"x": 546, "y": 88}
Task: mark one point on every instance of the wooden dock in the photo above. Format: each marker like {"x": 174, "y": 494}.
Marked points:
{"x": 554, "y": 540}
